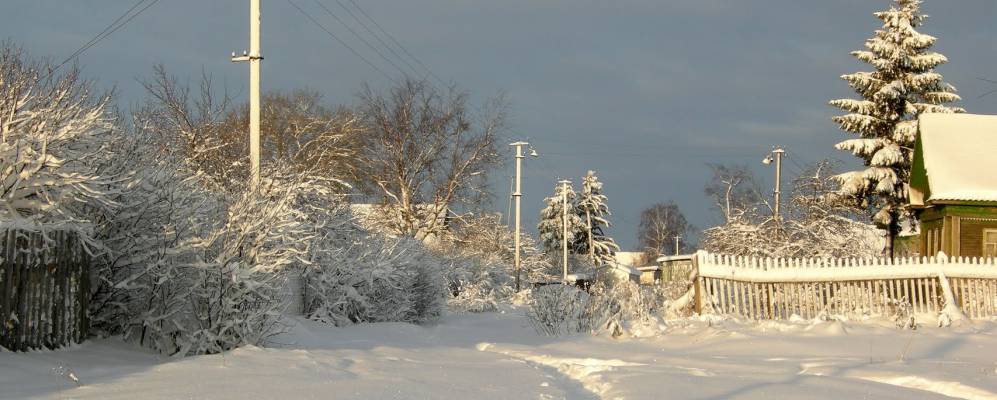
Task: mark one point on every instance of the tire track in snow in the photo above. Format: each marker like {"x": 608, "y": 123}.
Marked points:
{"x": 586, "y": 371}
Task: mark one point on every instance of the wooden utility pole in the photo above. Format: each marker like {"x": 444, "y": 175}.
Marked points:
{"x": 778, "y": 152}
{"x": 564, "y": 227}
{"x": 253, "y": 57}
{"x": 517, "y": 194}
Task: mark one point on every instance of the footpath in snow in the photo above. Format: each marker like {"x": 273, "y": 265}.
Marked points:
{"x": 499, "y": 356}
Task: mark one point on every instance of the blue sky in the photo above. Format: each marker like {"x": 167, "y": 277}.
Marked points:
{"x": 643, "y": 92}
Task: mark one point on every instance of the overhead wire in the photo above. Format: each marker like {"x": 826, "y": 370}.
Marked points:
{"x": 378, "y": 37}
{"x": 343, "y": 43}
{"x": 395, "y": 41}
{"x": 114, "y": 26}
{"x": 358, "y": 36}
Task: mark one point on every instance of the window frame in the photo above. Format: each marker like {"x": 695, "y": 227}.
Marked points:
{"x": 985, "y": 243}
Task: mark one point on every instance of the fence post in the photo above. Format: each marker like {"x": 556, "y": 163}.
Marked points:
{"x": 697, "y": 283}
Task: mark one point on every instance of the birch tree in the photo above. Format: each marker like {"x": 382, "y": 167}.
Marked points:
{"x": 425, "y": 153}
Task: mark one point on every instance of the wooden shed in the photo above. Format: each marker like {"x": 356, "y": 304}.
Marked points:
{"x": 953, "y": 186}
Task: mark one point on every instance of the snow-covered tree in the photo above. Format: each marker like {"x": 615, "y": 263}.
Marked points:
{"x": 903, "y": 85}
{"x": 593, "y": 212}
{"x": 659, "y": 225}
{"x": 553, "y": 218}
{"x": 814, "y": 225}
{"x": 53, "y": 130}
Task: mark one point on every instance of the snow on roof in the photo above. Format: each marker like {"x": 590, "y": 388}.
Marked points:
{"x": 629, "y": 257}
{"x": 624, "y": 268}
{"x": 678, "y": 257}
{"x": 954, "y": 159}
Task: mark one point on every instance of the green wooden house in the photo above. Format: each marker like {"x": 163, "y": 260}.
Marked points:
{"x": 953, "y": 185}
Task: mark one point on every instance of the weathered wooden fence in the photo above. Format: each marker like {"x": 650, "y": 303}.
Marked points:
{"x": 44, "y": 289}
{"x": 778, "y": 288}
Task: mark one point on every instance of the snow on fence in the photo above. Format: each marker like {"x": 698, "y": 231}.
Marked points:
{"x": 44, "y": 289}
{"x": 778, "y": 288}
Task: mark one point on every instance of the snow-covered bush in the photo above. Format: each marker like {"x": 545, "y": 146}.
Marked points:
{"x": 611, "y": 306}
{"x": 481, "y": 271}
{"x": 374, "y": 278}
{"x": 52, "y": 130}
{"x": 815, "y": 223}
{"x": 188, "y": 268}
{"x": 477, "y": 285}
{"x": 194, "y": 272}
{"x": 560, "y": 309}
{"x": 618, "y": 306}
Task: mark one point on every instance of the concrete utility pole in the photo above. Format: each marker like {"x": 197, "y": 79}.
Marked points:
{"x": 778, "y": 152}
{"x": 517, "y": 194}
{"x": 677, "y": 237}
{"x": 564, "y": 226}
{"x": 253, "y": 57}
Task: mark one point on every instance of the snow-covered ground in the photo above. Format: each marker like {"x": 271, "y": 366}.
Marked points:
{"x": 498, "y": 356}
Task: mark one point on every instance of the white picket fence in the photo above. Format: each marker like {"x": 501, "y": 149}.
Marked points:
{"x": 778, "y": 288}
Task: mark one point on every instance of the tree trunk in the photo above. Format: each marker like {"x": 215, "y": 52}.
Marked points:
{"x": 588, "y": 221}
{"x": 892, "y": 229}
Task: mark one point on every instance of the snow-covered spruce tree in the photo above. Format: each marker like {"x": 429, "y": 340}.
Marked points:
{"x": 552, "y": 220}
{"x": 902, "y": 86}
{"x": 593, "y": 212}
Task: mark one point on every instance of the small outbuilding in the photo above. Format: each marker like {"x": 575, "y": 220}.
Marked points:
{"x": 953, "y": 184}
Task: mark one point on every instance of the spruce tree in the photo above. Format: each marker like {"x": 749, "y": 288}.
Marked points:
{"x": 592, "y": 211}
{"x": 551, "y": 227}
{"x": 902, "y": 86}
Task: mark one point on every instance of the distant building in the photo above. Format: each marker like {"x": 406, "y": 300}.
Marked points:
{"x": 953, "y": 186}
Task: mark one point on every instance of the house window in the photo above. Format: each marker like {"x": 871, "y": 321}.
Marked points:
{"x": 990, "y": 242}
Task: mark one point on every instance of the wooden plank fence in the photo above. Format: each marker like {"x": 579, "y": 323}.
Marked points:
{"x": 44, "y": 289}
{"x": 779, "y": 288}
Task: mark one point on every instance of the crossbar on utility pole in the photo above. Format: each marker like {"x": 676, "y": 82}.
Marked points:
{"x": 253, "y": 57}
{"x": 517, "y": 194}
{"x": 564, "y": 227}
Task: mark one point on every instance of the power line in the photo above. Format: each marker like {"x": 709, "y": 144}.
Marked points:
{"x": 333, "y": 35}
{"x": 395, "y": 41}
{"x": 377, "y": 37}
{"x": 358, "y": 36}
{"x": 107, "y": 31}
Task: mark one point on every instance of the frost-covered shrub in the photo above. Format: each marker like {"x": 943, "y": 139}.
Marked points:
{"x": 52, "y": 130}
{"x": 481, "y": 273}
{"x": 374, "y": 278}
{"x": 477, "y": 286}
{"x": 619, "y": 305}
{"x": 196, "y": 272}
{"x": 560, "y": 309}
{"x": 815, "y": 223}
{"x": 186, "y": 268}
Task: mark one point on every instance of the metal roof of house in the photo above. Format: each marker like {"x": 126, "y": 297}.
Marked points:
{"x": 955, "y": 159}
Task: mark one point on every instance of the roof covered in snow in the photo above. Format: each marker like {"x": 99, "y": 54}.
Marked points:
{"x": 675, "y": 257}
{"x": 634, "y": 258}
{"x": 624, "y": 268}
{"x": 954, "y": 159}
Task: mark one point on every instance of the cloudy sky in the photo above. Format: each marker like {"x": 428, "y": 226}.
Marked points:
{"x": 644, "y": 92}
